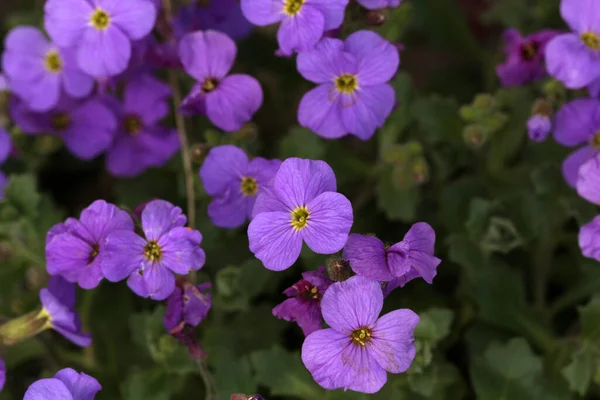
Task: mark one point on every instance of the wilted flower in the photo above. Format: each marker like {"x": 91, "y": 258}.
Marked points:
{"x": 67, "y": 384}
{"x": 187, "y": 305}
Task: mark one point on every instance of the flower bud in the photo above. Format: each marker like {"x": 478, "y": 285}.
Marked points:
{"x": 199, "y": 151}
{"x": 24, "y": 327}
{"x": 475, "y": 136}
{"x": 338, "y": 269}
{"x": 375, "y": 18}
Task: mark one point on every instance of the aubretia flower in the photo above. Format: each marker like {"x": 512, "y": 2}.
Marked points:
{"x": 167, "y": 247}
{"x": 360, "y": 347}
{"x": 2, "y": 374}
{"x": 588, "y": 239}
{"x": 303, "y": 22}
{"x": 578, "y": 124}
{"x": 38, "y": 71}
{"x": 141, "y": 142}
{"x": 524, "y": 57}
{"x": 539, "y": 127}
{"x": 588, "y": 180}
{"x": 67, "y": 384}
{"x": 304, "y": 304}
{"x": 379, "y": 4}
{"x": 229, "y": 101}
{"x": 352, "y": 96}
{"x": 75, "y": 253}
{"x": 302, "y": 206}
{"x": 187, "y": 305}
{"x": 101, "y": 30}
{"x": 234, "y": 182}
{"x": 87, "y": 128}
{"x": 574, "y": 58}
{"x": 58, "y": 301}
{"x": 408, "y": 259}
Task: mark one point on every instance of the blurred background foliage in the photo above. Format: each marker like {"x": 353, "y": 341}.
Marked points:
{"x": 514, "y": 312}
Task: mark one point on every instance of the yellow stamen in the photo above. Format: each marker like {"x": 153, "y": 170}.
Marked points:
{"x": 53, "y": 62}
{"x": 346, "y": 83}
{"x": 100, "y": 19}
{"x": 300, "y": 217}
{"x": 249, "y": 186}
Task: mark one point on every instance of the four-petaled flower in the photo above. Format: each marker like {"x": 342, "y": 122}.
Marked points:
{"x": 67, "y": 384}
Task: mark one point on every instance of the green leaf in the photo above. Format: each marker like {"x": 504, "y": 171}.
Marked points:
{"x": 581, "y": 370}
{"x": 438, "y": 118}
{"x": 147, "y": 384}
{"x": 21, "y": 193}
{"x": 233, "y": 375}
{"x": 303, "y": 143}
{"x": 590, "y": 320}
{"x": 397, "y": 203}
{"x": 237, "y": 285}
{"x": 399, "y": 118}
{"x": 434, "y": 325}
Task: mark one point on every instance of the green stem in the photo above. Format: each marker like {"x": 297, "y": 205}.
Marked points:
{"x": 536, "y": 333}
{"x": 574, "y": 295}
{"x": 542, "y": 262}
{"x": 209, "y": 381}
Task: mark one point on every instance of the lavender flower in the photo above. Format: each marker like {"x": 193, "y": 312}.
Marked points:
{"x": 378, "y": 4}
{"x": 101, "y": 30}
{"x": 87, "y": 128}
{"x": 67, "y": 384}
{"x": 234, "y": 182}
{"x": 2, "y": 374}
{"x": 38, "y": 71}
{"x": 539, "y": 127}
{"x": 359, "y": 348}
{"x": 412, "y": 257}
{"x": 524, "y": 57}
{"x": 573, "y": 57}
{"x": 577, "y": 123}
{"x": 588, "y": 180}
{"x": 227, "y": 101}
{"x": 352, "y": 96}
{"x": 141, "y": 142}
{"x": 304, "y": 304}
{"x": 187, "y": 305}
{"x": 588, "y": 239}
{"x": 167, "y": 247}
{"x": 303, "y": 22}
{"x": 302, "y": 206}
{"x": 75, "y": 253}
{"x": 58, "y": 301}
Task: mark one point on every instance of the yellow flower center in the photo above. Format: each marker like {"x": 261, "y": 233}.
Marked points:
{"x": 100, "y": 19}
{"x": 53, "y": 62}
{"x": 60, "y": 121}
{"x": 152, "y": 251}
{"x": 314, "y": 292}
{"x": 591, "y": 40}
{"x": 95, "y": 251}
{"x": 249, "y": 186}
{"x": 209, "y": 85}
{"x": 596, "y": 141}
{"x": 133, "y": 125}
{"x": 346, "y": 83}
{"x": 361, "y": 336}
{"x": 293, "y": 7}
{"x": 300, "y": 216}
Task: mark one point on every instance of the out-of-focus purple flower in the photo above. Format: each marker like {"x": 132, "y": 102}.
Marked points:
{"x": 38, "y": 71}
{"x": 141, "y": 142}
{"x": 577, "y": 123}
{"x": 187, "y": 305}
{"x": 353, "y": 95}
{"x": 234, "y": 182}
{"x": 100, "y": 30}
{"x": 360, "y": 346}
{"x": 574, "y": 58}
{"x": 67, "y": 384}
{"x": 58, "y": 301}
{"x": 167, "y": 247}
{"x": 539, "y": 127}
{"x": 589, "y": 241}
{"x": 87, "y": 128}
{"x": 378, "y": 4}
{"x": 228, "y": 101}
{"x": 411, "y": 258}
{"x": 6, "y": 145}
{"x": 223, "y": 16}
{"x": 304, "y": 304}
{"x": 4, "y": 86}
{"x": 588, "y": 180}
{"x": 2, "y": 374}
{"x": 524, "y": 57}
{"x": 301, "y": 206}
{"x": 303, "y": 22}
{"x": 76, "y": 253}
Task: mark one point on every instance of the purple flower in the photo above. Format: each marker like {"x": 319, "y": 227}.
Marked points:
{"x": 524, "y": 57}
{"x": 589, "y": 239}
{"x": 167, "y": 247}
{"x": 352, "y": 96}
{"x": 67, "y": 384}
{"x": 234, "y": 182}
{"x": 578, "y": 124}
{"x": 75, "y": 253}
{"x": 141, "y": 142}
{"x": 303, "y": 22}
{"x": 87, "y": 128}
{"x": 539, "y": 127}
{"x": 223, "y": 16}
{"x": 588, "y": 180}
{"x": 574, "y": 58}
{"x": 379, "y": 4}
{"x": 6, "y": 145}
{"x": 187, "y": 305}
{"x": 2, "y": 374}
{"x": 412, "y": 257}
{"x": 227, "y": 101}
{"x": 304, "y": 304}
{"x": 301, "y": 206}
{"x": 58, "y": 301}
{"x": 38, "y": 71}
{"x": 101, "y": 30}
{"x": 359, "y": 348}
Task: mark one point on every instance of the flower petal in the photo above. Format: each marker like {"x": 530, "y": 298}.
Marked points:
{"x": 223, "y": 166}
{"x": 267, "y": 200}
{"x": 306, "y": 313}
{"x": 230, "y": 209}
{"x": 102, "y": 218}
{"x": 68, "y": 255}
{"x": 392, "y": 341}
{"x": 93, "y": 128}
{"x": 159, "y": 282}
{"x": 122, "y": 255}
{"x": 577, "y": 122}
{"x": 368, "y": 111}
{"x": 41, "y": 95}
{"x": 82, "y": 386}
{"x": 134, "y": 17}
{"x": 588, "y": 239}
{"x": 146, "y": 97}
{"x": 159, "y": 217}
{"x": 581, "y": 15}
{"x": 75, "y": 82}
{"x": 274, "y": 241}
{"x": 378, "y": 59}
{"x": 79, "y": 338}
{"x": 332, "y": 10}
{"x": 262, "y": 12}
{"x": 104, "y": 53}
{"x": 323, "y": 63}
{"x": 369, "y": 376}
{"x": 180, "y": 250}
{"x": 25, "y": 49}
{"x": 588, "y": 180}
{"x": 48, "y": 389}
{"x": 207, "y": 54}
{"x": 299, "y": 181}
{"x": 367, "y": 257}
{"x": 571, "y": 62}
{"x": 67, "y": 20}
{"x": 302, "y": 31}
{"x": 329, "y": 223}
{"x": 571, "y": 164}
{"x": 319, "y": 111}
